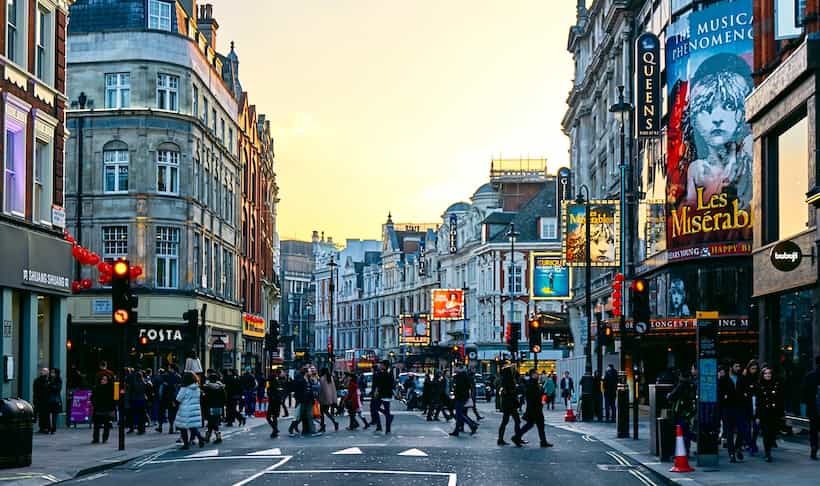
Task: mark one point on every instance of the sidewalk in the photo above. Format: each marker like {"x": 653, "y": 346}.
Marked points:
{"x": 791, "y": 464}
{"x": 69, "y": 453}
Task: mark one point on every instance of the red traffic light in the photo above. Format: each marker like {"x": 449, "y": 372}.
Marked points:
{"x": 121, "y": 268}
{"x": 639, "y": 286}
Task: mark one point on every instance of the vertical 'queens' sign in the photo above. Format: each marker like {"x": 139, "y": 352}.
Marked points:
{"x": 648, "y": 86}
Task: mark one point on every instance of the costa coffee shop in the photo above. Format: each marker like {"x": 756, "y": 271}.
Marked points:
{"x": 35, "y": 280}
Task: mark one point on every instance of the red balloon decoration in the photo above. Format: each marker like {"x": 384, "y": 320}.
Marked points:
{"x": 93, "y": 259}
{"x": 75, "y": 286}
{"x": 70, "y": 238}
{"x": 105, "y": 278}
{"x": 86, "y": 283}
{"x": 75, "y": 250}
{"x": 101, "y": 267}
{"x": 135, "y": 271}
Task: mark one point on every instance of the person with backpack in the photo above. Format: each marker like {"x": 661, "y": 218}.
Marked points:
{"x": 811, "y": 397}
{"x": 214, "y": 397}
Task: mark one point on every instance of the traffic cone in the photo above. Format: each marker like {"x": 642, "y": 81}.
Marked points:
{"x": 681, "y": 458}
{"x": 570, "y": 416}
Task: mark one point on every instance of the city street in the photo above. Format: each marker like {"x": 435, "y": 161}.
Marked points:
{"x": 416, "y": 453}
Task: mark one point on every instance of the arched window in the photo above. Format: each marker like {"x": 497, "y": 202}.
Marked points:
{"x": 168, "y": 169}
{"x": 115, "y": 167}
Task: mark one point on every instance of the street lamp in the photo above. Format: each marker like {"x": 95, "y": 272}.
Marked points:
{"x": 512, "y": 235}
{"x": 331, "y": 288}
{"x": 587, "y": 396}
{"x": 622, "y": 111}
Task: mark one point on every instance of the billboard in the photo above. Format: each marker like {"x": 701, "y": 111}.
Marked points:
{"x": 448, "y": 304}
{"x": 604, "y": 226}
{"x": 709, "y": 151}
{"x": 415, "y": 330}
{"x": 549, "y": 278}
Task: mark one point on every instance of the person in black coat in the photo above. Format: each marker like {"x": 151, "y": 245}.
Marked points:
{"x": 102, "y": 399}
{"x": 136, "y": 390}
{"x": 534, "y": 415}
{"x": 40, "y": 399}
{"x": 168, "y": 390}
{"x": 462, "y": 391}
{"x": 610, "y": 393}
{"x": 55, "y": 398}
{"x": 276, "y": 393}
{"x": 508, "y": 396}
{"x": 811, "y": 397}
{"x": 770, "y": 409}
{"x": 732, "y": 401}
{"x": 233, "y": 388}
{"x": 213, "y": 404}
{"x": 384, "y": 384}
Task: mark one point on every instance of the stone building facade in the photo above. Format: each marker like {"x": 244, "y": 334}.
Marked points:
{"x": 155, "y": 147}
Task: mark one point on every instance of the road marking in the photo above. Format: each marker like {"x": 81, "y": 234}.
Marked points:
{"x": 642, "y": 477}
{"x": 208, "y": 453}
{"x": 267, "y": 470}
{"x": 588, "y": 438}
{"x": 89, "y": 478}
{"x": 452, "y": 477}
{"x": 215, "y": 458}
{"x": 348, "y": 451}
{"x": 267, "y": 452}
{"x": 413, "y": 453}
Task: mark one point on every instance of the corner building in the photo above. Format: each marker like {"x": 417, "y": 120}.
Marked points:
{"x": 689, "y": 234}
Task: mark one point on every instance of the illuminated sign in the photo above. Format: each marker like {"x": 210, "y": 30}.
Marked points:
{"x": 648, "y": 111}
{"x": 448, "y": 304}
{"x": 604, "y": 223}
{"x": 453, "y": 233}
{"x": 253, "y": 326}
{"x": 549, "y": 278}
{"x": 415, "y": 330}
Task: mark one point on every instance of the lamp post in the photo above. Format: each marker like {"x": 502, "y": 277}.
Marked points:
{"x": 622, "y": 110}
{"x": 512, "y": 235}
{"x": 331, "y": 344}
{"x": 587, "y": 405}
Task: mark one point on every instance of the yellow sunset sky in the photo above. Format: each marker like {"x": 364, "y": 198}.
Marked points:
{"x": 388, "y": 105}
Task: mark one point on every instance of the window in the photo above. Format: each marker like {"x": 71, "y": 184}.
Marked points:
{"x": 115, "y": 170}
{"x": 167, "y": 89}
{"x": 41, "y": 210}
{"x": 115, "y": 242}
{"x": 118, "y": 90}
{"x": 197, "y": 260}
{"x": 549, "y": 228}
{"x": 11, "y": 30}
{"x": 514, "y": 280}
{"x": 43, "y": 57}
{"x": 227, "y": 260}
{"x": 217, "y": 269}
{"x": 230, "y": 140}
{"x": 205, "y": 111}
{"x": 215, "y": 195}
{"x": 168, "y": 172}
{"x": 195, "y": 109}
{"x": 14, "y": 187}
{"x": 213, "y": 120}
{"x": 206, "y": 197}
{"x": 167, "y": 251}
{"x": 222, "y": 131}
{"x": 792, "y": 179}
{"x": 159, "y": 15}
{"x": 197, "y": 178}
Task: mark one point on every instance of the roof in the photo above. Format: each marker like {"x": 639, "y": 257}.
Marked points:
{"x": 543, "y": 204}
{"x": 458, "y": 207}
{"x": 499, "y": 217}
{"x": 484, "y": 189}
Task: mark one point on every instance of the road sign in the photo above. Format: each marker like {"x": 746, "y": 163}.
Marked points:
{"x": 640, "y": 327}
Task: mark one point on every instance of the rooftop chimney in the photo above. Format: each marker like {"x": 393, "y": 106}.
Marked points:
{"x": 206, "y": 23}
{"x": 315, "y": 237}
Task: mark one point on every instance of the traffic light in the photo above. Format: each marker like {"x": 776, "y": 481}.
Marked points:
{"x": 604, "y": 335}
{"x": 508, "y": 336}
{"x": 191, "y": 318}
{"x": 640, "y": 301}
{"x": 123, "y": 301}
{"x": 617, "y": 295}
{"x": 534, "y": 326}
{"x": 273, "y": 334}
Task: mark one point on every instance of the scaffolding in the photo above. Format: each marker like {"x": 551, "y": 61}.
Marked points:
{"x": 518, "y": 170}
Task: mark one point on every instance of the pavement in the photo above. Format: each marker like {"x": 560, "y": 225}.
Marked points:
{"x": 791, "y": 464}
{"x": 416, "y": 453}
{"x": 69, "y": 453}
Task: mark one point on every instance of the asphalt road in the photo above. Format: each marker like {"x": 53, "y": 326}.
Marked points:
{"x": 417, "y": 453}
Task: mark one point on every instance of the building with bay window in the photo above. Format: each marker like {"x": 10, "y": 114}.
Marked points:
{"x": 35, "y": 278}
{"x": 156, "y": 176}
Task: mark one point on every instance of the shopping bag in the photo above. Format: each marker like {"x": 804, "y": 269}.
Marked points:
{"x": 317, "y": 412}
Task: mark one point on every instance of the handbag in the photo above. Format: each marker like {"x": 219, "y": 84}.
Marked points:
{"x": 317, "y": 411}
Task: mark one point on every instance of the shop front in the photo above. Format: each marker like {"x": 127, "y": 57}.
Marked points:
{"x": 253, "y": 336}
{"x": 35, "y": 280}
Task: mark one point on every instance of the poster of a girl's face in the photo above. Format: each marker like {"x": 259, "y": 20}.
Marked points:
{"x": 678, "y": 306}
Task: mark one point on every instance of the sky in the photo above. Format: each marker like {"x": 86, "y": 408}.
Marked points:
{"x": 398, "y": 106}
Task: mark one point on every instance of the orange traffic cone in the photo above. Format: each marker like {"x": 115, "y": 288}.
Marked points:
{"x": 570, "y": 416}
{"x": 681, "y": 458}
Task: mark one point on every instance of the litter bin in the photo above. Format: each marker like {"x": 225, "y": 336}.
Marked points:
{"x": 666, "y": 438}
{"x": 16, "y": 429}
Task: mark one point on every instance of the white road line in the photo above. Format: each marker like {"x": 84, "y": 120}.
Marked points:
{"x": 642, "y": 477}
{"x": 413, "y": 453}
{"x": 347, "y": 452}
{"x": 208, "y": 453}
{"x": 452, "y": 477}
{"x": 215, "y": 458}
{"x": 268, "y": 452}
{"x": 262, "y": 472}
